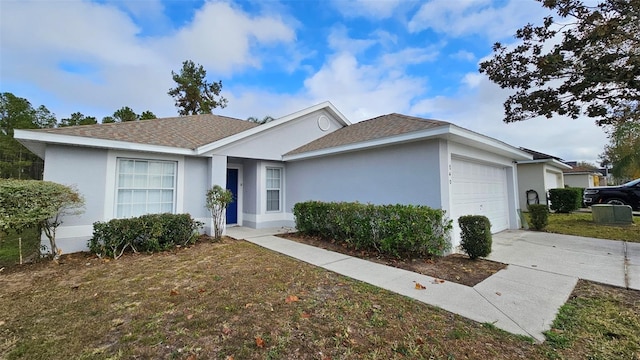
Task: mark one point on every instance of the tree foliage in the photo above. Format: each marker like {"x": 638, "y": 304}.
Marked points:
{"x": 18, "y": 113}
{"x": 125, "y": 114}
{"x": 594, "y": 70}
{"x": 193, "y": 94}
{"x": 623, "y": 150}
{"x": 147, "y": 115}
{"x": 77, "y": 118}
{"x": 32, "y": 203}
{"x": 217, "y": 201}
{"x": 264, "y": 120}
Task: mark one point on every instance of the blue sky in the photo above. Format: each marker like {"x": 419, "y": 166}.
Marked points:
{"x": 369, "y": 58}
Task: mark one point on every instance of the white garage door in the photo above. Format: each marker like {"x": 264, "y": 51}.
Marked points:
{"x": 479, "y": 189}
{"x": 552, "y": 180}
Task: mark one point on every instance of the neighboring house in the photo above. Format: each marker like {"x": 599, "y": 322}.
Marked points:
{"x": 542, "y": 173}
{"x": 167, "y": 165}
{"x": 582, "y": 177}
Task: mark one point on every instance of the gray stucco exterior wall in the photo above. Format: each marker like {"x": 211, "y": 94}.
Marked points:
{"x": 195, "y": 187}
{"x": 407, "y": 174}
{"x": 85, "y": 170}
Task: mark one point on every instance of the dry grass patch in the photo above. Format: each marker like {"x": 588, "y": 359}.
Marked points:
{"x": 228, "y": 300}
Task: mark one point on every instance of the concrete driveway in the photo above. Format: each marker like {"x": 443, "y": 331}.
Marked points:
{"x": 604, "y": 261}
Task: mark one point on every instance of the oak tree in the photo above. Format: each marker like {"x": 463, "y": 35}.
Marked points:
{"x": 588, "y": 63}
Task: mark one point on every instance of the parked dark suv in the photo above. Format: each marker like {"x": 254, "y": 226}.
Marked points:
{"x": 625, "y": 194}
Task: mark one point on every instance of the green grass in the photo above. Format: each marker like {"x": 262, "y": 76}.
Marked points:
{"x": 581, "y": 224}
{"x": 9, "y": 249}
{"x": 598, "y": 322}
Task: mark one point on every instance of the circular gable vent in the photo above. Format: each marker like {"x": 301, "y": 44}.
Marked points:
{"x": 323, "y": 123}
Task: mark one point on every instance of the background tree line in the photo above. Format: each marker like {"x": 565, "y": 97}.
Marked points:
{"x": 18, "y": 113}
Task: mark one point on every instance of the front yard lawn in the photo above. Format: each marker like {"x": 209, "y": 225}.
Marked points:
{"x": 235, "y": 300}
{"x": 9, "y": 249}
{"x": 581, "y": 224}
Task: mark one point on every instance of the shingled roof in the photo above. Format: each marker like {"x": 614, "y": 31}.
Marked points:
{"x": 376, "y": 128}
{"x": 188, "y": 132}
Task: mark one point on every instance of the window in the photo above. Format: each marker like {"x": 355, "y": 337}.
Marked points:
{"x": 274, "y": 185}
{"x": 145, "y": 187}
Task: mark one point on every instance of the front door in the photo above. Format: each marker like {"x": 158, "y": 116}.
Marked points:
{"x": 232, "y": 184}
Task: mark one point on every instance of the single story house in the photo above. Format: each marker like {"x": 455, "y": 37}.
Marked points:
{"x": 582, "y": 177}
{"x": 537, "y": 176}
{"x": 167, "y": 165}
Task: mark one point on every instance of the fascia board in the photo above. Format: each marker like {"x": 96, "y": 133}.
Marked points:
{"x": 413, "y": 136}
{"x": 554, "y": 162}
{"x": 493, "y": 144}
{"x": 264, "y": 127}
{"x": 50, "y": 138}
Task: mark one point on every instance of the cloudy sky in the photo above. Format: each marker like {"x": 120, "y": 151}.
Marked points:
{"x": 368, "y": 57}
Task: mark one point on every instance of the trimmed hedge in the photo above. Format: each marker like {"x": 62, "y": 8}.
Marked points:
{"x": 403, "y": 231}
{"x": 147, "y": 233}
{"x": 475, "y": 234}
{"x": 539, "y": 216}
{"x": 563, "y": 200}
{"x": 579, "y": 193}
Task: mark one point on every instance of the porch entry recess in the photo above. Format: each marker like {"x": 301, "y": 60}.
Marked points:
{"x": 232, "y": 185}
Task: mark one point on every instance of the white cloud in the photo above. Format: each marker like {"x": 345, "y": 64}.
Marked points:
{"x": 92, "y": 54}
{"x": 339, "y": 40}
{"x": 221, "y": 38}
{"x": 377, "y": 9}
{"x": 464, "y": 55}
{"x": 480, "y": 109}
{"x": 468, "y": 17}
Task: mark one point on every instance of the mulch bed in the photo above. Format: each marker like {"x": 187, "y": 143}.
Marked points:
{"x": 456, "y": 268}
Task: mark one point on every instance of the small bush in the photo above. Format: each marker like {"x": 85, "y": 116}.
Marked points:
{"x": 563, "y": 200}
{"x": 475, "y": 235}
{"x": 579, "y": 193}
{"x": 147, "y": 233}
{"x": 539, "y": 216}
{"x": 397, "y": 230}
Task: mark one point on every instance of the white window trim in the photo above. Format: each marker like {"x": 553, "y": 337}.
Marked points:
{"x": 173, "y": 188}
{"x": 280, "y": 190}
{"x": 110, "y": 196}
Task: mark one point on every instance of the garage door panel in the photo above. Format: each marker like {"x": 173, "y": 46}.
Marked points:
{"x": 479, "y": 189}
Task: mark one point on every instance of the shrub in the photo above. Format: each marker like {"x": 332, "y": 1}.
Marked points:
{"x": 217, "y": 201}
{"x": 539, "y": 216}
{"x": 397, "y": 230}
{"x": 563, "y": 200}
{"x": 147, "y": 233}
{"x": 579, "y": 193}
{"x": 35, "y": 203}
{"x": 475, "y": 235}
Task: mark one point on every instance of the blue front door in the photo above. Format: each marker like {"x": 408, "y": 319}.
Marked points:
{"x": 232, "y": 184}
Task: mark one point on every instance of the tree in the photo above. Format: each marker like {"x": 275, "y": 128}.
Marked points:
{"x": 217, "y": 201}
{"x": 18, "y": 113}
{"x": 147, "y": 115}
{"x": 77, "y": 118}
{"x": 594, "y": 70}
{"x": 125, "y": 114}
{"x": 623, "y": 150}
{"x": 264, "y": 120}
{"x": 193, "y": 94}
{"x": 30, "y": 203}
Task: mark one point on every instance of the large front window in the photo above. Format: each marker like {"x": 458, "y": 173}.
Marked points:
{"x": 274, "y": 185}
{"x": 145, "y": 187}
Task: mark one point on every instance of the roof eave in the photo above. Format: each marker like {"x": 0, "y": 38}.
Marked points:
{"x": 448, "y": 131}
{"x": 554, "y": 162}
{"x": 31, "y": 139}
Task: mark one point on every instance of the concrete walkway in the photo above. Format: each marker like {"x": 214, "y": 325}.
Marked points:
{"x": 522, "y": 299}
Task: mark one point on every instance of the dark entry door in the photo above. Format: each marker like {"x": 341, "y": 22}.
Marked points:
{"x": 232, "y": 184}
